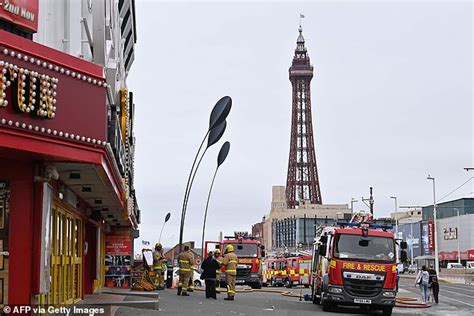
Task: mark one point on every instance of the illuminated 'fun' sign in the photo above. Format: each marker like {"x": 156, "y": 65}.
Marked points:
{"x": 29, "y": 91}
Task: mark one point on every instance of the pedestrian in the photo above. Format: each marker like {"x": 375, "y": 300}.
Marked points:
{"x": 433, "y": 283}
{"x": 209, "y": 267}
{"x": 398, "y": 279}
{"x": 185, "y": 262}
{"x": 159, "y": 267}
{"x": 218, "y": 257}
{"x": 230, "y": 264}
{"x": 422, "y": 279}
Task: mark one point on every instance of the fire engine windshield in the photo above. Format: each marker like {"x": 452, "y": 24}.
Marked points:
{"x": 370, "y": 248}
{"x": 245, "y": 250}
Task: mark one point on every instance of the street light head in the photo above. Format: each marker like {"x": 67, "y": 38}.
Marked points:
{"x": 430, "y": 178}
{"x": 393, "y": 197}
{"x": 220, "y": 111}
{"x": 223, "y": 153}
{"x": 216, "y": 134}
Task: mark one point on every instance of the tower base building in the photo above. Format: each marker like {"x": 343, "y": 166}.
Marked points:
{"x": 286, "y": 229}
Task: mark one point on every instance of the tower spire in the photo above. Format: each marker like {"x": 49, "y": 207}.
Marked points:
{"x": 302, "y": 183}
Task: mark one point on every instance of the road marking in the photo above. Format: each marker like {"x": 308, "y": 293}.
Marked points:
{"x": 470, "y": 296}
{"x": 449, "y": 298}
{"x": 459, "y": 288}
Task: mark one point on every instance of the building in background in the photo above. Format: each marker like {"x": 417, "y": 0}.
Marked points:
{"x": 455, "y": 220}
{"x": 410, "y": 231}
{"x": 407, "y": 216}
{"x": 286, "y": 229}
{"x": 173, "y": 253}
{"x": 257, "y": 230}
{"x": 67, "y": 195}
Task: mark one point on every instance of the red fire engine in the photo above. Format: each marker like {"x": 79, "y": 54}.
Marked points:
{"x": 297, "y": 271}
{"x": 273, "y": 271}
{"x": 287, "y": 271}
{"x": 355, "y": 264}
{"x": 250, "y": 252}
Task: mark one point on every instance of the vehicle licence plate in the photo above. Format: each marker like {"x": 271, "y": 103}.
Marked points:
{"x": 362, "y": 301}
{"x": 239, "y": 281}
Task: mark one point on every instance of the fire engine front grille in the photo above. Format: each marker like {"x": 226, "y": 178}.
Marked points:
{"x": 366, "y": 288}
{"x": 243, "y": 273}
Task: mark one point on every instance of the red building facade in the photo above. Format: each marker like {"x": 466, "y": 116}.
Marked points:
{"x": 61, "y": 190}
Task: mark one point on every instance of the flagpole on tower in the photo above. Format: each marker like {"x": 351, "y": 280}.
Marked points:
{"x": 301, "y": 17}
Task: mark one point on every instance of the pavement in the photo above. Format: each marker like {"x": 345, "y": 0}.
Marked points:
{"x": 455, "y": 299}
{"x": 108, "y": 301}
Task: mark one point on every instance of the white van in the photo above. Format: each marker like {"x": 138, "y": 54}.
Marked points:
{"x": 455, "y": 266}
{"x": 470, "y": 265}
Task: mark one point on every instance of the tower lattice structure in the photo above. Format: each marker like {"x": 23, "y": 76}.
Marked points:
{"x": 302, "y": 183}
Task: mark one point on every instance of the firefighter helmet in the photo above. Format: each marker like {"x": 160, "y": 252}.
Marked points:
{"x": 217, "y": 252}
{"x": 158, "y": 246}
{"x": 229, "y": 248}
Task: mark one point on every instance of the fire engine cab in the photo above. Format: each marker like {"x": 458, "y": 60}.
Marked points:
{"x": 355, "y": 264}
{"x": 250, "y": 253}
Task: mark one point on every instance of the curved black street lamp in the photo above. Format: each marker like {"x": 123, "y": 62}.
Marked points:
{"x": 167, "y": 218}
{"x": 215, "y": 131}
{"x": 220, "y": 160}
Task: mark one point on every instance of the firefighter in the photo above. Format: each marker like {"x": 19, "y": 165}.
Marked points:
{"x": 159, "y": 266}
{"x": 185, "y": 261}
{"x": 218, "y": 257}
{"x": 230, "y": 263}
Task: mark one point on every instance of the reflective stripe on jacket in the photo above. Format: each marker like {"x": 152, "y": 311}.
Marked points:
{"x": 185, "y": 261}
{"x": 230, "y": 263}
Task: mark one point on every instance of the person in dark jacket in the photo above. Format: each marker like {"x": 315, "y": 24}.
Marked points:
{"x": 209, "y": 267}
{"x": 433, "y": 283}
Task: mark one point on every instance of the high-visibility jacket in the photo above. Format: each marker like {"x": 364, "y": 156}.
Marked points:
{"x": 230, "y": 263}
{"x": 185, "y": 261}
{"x": 158, "y": 261}
{"x": 218, "y": 271}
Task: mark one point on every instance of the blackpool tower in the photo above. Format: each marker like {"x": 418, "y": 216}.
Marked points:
{"x": 302, "y": 183}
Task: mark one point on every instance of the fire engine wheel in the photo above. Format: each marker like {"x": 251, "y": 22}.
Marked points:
{"x": 327, "y": 307}
{"x": 288, "y": 283}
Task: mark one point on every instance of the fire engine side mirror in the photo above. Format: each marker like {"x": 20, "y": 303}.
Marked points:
{"x": 324, "y": 245}
{"x": 323, "y": 249}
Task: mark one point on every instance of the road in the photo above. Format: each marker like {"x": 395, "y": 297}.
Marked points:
{"x": 454, "y": 300}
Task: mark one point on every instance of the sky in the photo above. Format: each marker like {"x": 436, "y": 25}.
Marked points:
{"x": 391, "y": 101}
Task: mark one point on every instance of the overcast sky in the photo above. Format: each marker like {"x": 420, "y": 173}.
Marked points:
{"x": 391, "y": 101}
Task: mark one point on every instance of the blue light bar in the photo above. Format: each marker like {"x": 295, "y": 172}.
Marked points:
{"x": 348, "y": 224}
{"x": 375, "y": 226}
{"x": 381, "y": 226}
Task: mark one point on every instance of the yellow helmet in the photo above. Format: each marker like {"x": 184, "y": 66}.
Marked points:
{"x": 158, "y": 245}
{"x": 217, "y": 252}
{"x": 229, "y": 248}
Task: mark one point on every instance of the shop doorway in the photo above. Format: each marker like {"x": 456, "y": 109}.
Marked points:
{"x": 66, "y": 259}
{"x": 4, "y": 254}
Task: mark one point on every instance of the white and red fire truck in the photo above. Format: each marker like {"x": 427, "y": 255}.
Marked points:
{"x": 355, "y": 264}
